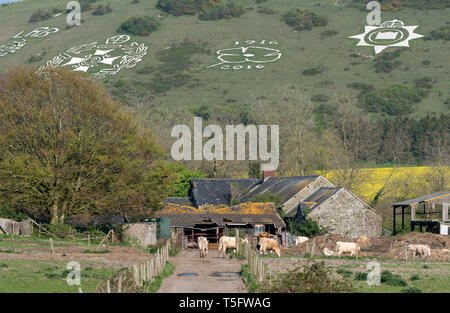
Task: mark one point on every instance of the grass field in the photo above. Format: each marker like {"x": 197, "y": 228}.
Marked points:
{"x": 300, "y": 51}
{"x": 426, "y": 276}
{"x": 45, "y": 276}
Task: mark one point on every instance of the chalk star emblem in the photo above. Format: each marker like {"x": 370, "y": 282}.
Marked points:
{"x": 389, "y": 34}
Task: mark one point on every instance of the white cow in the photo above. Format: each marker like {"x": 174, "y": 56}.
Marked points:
{"x": 300, "y": 240}
{"x": 347, "y": 247}
{"x": 269, "y": 244}
{"x": 202, "y": 246}
{"x": 226, "y": 242}
{"x": 420, "y": 250}
{"x": 327, "y": 251}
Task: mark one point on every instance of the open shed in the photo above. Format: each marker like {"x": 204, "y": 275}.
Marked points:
{"x": 429, "y": 211}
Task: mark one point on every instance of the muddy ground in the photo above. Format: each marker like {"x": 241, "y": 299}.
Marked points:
{"x": 188, "y": 261}
{"x": 384, "y": 247}
{"x": 118, "y": 258}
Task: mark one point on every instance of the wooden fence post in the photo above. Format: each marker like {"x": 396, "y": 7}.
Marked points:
{"x": 89, "y": 240}
{"x": 119, "y": 285}
{"x": 136, "y": 274}
{"x": 406, "y": 253}
{"x": 108, "y": 286}
{"x": 313, "y": 247}
{"x": 12, "y": 239}
{"x": 51, "y": 245}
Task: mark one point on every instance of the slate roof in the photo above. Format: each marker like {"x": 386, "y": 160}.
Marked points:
{"x": 285, "y": 186}
{"x": 425, "y": 198}
{"x": 215, "y": 191}
{"x": 315, "y": 199}
{"x": 221, "y": 220}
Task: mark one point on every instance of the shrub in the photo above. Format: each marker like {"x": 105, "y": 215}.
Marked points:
{"x": 424, "y": 82}
{"x": 302, "y": 19}
{"x": 267, "y": 11}
{"x": 221, "y": 11}
{"x": 85, "y": 5}
{"x": 328, "y": 33}
{"x": 314, "y": 278}
{"x": 40, "y": 15}
{"x": 249, "y": 278}
{"x": 313, "y": 71}
{"x": 392, "y": 279}
{"x": 260, "y": 1}
{"x": 320, "y": 98}
{"x": 139, "y": 25}
{"x": 344, "y": 272}
{"x": 9, "y": 212}
{"x": 102, "y": 10}
{"x": 359, "y": 276}
{"x": 393, "y": 100}
{"x": 185, "y": 7}
{"x": 442, "y": 34}
{"x": 414, "y": 277}
{"x": 61, "y": 230}
{"x": 361, "y": 86}
{"x": 411, "y": 290}
{"x": 426, "y": 62}
{"x": 202, "y": 111}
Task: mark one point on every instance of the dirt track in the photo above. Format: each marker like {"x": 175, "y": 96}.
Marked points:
{"x": 188, "y": 261}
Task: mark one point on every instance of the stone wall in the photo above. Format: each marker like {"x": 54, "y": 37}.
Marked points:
{"x": 144, "y": 234}
{"x": 305, "y": 192}
{"x": 346, "y": 215}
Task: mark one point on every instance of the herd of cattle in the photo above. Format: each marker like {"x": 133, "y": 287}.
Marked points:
{"x": 271, "y": 244}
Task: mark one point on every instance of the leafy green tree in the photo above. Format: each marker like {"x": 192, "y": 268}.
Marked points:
{"x": 182, "y": 179}
{"x": 66, "y": 148}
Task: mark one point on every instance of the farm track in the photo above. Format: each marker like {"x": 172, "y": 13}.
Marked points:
{"x": 188, "y": 261}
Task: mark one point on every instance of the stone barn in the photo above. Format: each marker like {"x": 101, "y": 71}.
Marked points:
{"x": 341, "y": 212}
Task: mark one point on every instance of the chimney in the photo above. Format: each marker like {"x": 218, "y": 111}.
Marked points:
{"x": 267, "y": 174}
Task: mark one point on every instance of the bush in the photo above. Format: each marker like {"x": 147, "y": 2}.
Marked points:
{"x": 411, "y": 290}
{"x": 442, "y": 34}
{"x": 302, "y": 19}
{"x": 424, "y": 82}
{"x": 9, "y": 212}
{"x": 102, "y": 10}
{"x": 249, "y": 278}
{"x": 361, "y": 86}
{"x": 221, "y": 11}
{"x": 320, "y": 98}
{"x": 414, "y": 277}
{"x": 313, "y": 71}
{"x": 393, "y": 100}
{"x": 139, "y": 25}
{"x": 85, "y": 5}
{"x": 359, "y": 276}
{"x": 267, "y": 11}
{"x": 314, "y": 278}
{"x": 328, "y": 33}
{"x": 61, "y": 230}
{"x": 202, "y": 111}
{"x": 344, "y": 272}
{"x": 392, "y": 279}
{"x": 185, "y": 7}
{"x": 40, "y": 15}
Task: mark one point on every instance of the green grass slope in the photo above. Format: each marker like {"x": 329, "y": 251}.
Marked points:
{"x": 177, "y": 78}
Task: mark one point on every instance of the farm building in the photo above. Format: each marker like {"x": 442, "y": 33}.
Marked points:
{"x": 342, "y": 212}
{"x": 214, "y": 221}
{"x": 429, "y": 211}
{"x": 336, "y": 208}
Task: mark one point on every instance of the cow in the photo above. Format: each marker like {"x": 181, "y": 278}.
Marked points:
{"x": 300, "y": 240}
{"x": 269, "y": 244}
{"x": 327, "y": 252}
{"x": 202, "y": 246}
{"x": 347, "y": 247}
{"x": 420, "y": 250}
{"x": 363, "y": 241}
{"x": 226, "y": 242}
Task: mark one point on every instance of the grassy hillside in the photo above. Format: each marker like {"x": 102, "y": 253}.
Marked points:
{"x": 301, "y": 50}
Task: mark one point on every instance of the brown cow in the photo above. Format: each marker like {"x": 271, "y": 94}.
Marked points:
{"x": 269, "y": 244}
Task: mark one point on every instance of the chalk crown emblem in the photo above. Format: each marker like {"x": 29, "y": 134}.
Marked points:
{"x": 392, "y": 33}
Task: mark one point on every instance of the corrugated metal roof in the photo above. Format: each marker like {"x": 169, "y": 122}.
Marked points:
{"x": 190, "y": 220}
{"x": 285, "y": 186}
{"x": 425, "y": 198}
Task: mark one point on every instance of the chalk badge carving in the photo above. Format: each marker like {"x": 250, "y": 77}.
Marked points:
{"x": 101, "y": 59}
{"x": 390, "y": 34}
